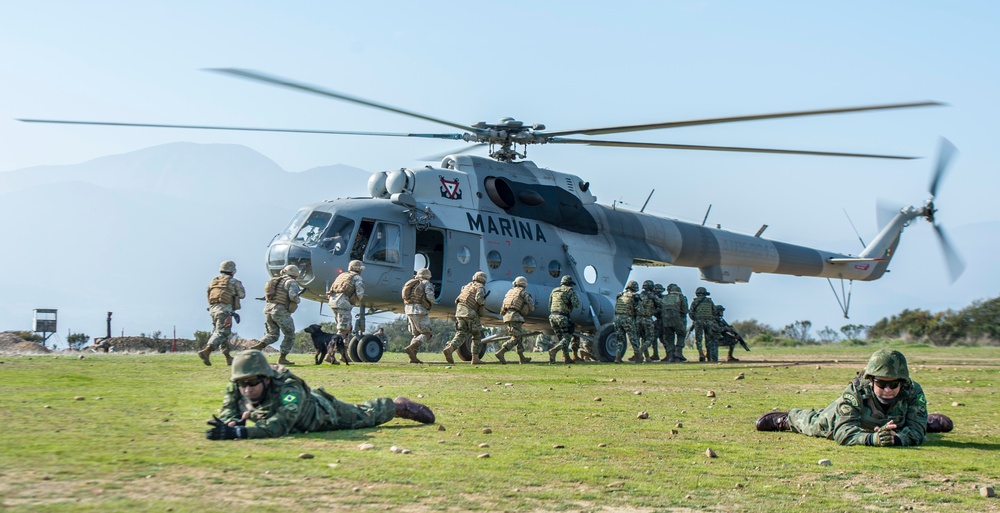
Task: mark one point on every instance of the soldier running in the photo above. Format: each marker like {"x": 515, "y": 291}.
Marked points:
{"x": 562, "y": 301}
{"x": 418, "y": 298}
{"x": 469, "y": 306}
{"x": 282, "y": 295}
{"x": 516, "y": 304}
{"x": 346, "y": 292}
{"x": 224, "y": 295}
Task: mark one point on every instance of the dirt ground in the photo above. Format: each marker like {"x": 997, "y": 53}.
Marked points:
{"x": 10, "y": 343}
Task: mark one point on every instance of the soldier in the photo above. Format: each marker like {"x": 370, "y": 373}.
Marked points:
{"x": 644, "y": 309}
{"x": 625, "y": 304}
{"x": 346, "y": 292}
{"x": 418, "y": 297}
{"x": 658, "y": 321}
{"x": 562, "y": 302}
{"x": 516, "y": 304}
{"x": 674, "y": 308}
{"x": 727, "y": 336}
{"x": 282, "y": 295}
{"x": 469, "y": 306}
{"x": 882, "y": 406}
{"x": 713, "y": 339}
{"x": 703, "y": 315}
{"x": 280, "y": 403}
{"x": 224, "y": 295}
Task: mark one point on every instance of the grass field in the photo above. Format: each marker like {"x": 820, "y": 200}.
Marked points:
{"x": 126, "y": 433}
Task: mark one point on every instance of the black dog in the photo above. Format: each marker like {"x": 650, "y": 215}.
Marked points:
{"x": 325, "y": 343}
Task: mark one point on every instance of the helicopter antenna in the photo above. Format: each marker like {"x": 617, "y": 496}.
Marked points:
{"x": 855, "y": 228}
{"x": 706, "y": 214}
{"x": 647, "y": 200}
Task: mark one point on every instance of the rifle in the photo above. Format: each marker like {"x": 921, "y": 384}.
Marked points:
{"x": 728, "y": 329}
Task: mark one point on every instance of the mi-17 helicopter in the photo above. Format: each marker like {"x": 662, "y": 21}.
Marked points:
{"x": 508, "y": 217}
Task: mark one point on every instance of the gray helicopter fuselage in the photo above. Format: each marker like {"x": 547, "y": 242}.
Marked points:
{"x": 515, "y": 219}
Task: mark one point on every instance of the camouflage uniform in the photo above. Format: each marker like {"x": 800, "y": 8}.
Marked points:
{"x": 417, "y": 304}
{"x": 278, "y": 311}
{"x": 674, "y": 308}
{"x": 516, "y": 304}
{"x": 853, "y": 418}
{"x": 625, "y": 304}
{"x": 701, "y": 312}
{"x": 346, "y": 292}
{"x": 469, "y": 305}
{"x": 562, "y": 301}
{"x": 644, "y": 310}
{"x": 658, "y": 321}
{"x": 224, "y": 295}
{"x": 290, "y": 406}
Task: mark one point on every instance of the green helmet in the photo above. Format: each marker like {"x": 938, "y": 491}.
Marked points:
{"x": 719, "y": 309}
{"x": 567, "y": 281}
{"x": 658, "y": 288}
{"x": 887, "y": 363}
{"x": 700, "y": 291}
{"x": 227, "y": 267}
{"x": 632, "y": 285}
{"x": 647, "y": 285}
{"x": 247, "y": 364}
{"x": 673, "y": 288}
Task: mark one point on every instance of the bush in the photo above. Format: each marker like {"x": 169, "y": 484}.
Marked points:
{"x": 77, "y": 340}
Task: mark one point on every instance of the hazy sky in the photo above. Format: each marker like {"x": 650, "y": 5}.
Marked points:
{"x": 567, "y": 65}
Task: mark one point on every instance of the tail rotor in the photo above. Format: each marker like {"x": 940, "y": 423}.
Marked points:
{"x": 956, "y": 266}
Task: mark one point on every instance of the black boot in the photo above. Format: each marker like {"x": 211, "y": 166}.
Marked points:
{"x": 774, "y": 421}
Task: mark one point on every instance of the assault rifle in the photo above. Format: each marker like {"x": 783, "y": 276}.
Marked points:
{"x": 728, "y": 332}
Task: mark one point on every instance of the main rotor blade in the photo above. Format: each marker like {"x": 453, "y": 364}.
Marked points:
{"x": 946, "y": 152}
{"x": 244, "y": 129}
{"x": 955, "y": 264}
{"x": 677, "y": 124}
{"x": 438, "y": 156}
{"x": 720, "y": 148}
{"x": 284, "y": 82}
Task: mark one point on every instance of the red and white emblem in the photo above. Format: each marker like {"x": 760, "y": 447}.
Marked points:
{"x": 450, "y": 190}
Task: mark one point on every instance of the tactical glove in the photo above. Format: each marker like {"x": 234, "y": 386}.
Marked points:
{"x": 883, "y": 438}
{"x": 222, "y": 431}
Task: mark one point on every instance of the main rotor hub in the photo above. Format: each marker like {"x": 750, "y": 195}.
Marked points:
{"x": 504, "y": 135}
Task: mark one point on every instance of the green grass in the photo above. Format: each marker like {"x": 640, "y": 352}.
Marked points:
{"x": 136, "y": 443}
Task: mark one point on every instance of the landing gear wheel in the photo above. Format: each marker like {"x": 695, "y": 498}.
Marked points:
{"x": 352, "y": 350}
{"x": 465, "y": 351}
{"x": 607, "y": 343}
{"x": 369, "y": 349}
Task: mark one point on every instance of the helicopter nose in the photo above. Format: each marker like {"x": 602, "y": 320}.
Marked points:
{"x": 281, "y": 254}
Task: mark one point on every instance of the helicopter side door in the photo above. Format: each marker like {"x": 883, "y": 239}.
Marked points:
{"x": 452, "y": 257}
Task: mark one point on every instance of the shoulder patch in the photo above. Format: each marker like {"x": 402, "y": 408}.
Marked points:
{"x": 921, "y": 399}
{"x": 289, "y": 398}
{"x": 851, "y": 399}
{"x": 844, "y": 409}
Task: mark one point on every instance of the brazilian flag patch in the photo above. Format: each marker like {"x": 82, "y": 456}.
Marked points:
{"x": 289, "y": 398}
{"x": 921, "y": 399}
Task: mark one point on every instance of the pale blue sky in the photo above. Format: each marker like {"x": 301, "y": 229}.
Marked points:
{"x": 567, "y": 65}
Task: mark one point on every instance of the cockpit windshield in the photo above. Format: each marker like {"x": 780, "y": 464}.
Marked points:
{"x": 338, "y": 235}
{"x": 313, "y": 228}
{"x": 294, "y": 226}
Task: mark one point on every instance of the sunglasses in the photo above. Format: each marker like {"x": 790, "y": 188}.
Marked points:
{"x": 887, "y": 385}
{"x": 249, "y": 383}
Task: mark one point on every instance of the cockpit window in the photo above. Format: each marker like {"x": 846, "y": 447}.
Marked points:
{"x": 294, "y": 226}
{"x": 338, "y": 235}
{"x": 313, "y": 228}
{"x": 384, "y": 244}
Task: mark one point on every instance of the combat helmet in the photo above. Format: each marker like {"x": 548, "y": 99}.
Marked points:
{"x": 567, "y": 281}
{"x": 632, "y": 285}
{"x": 647, "y": 285}
{"x": 673, "y": 288}
{"x": 658, "y": 289}
{"x": 424, "y": 273}
{"x": 700, "y": 291}
{"x": 718, "y": 309}
{"x": 356, "y": 266}
{"x": 887, "y": 363}
{"x": 520, "y": 281}
{"x": 291, "y": 270}
{"x": 227, "y": 267}
{"x": 480, "y": 277}
{"x": 247, "y": 364}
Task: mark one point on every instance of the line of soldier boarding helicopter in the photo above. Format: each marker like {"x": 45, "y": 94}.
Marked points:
{"x": 641, "y": 318}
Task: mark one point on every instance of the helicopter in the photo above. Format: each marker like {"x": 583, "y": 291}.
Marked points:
{"x": 508, "y": 217}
